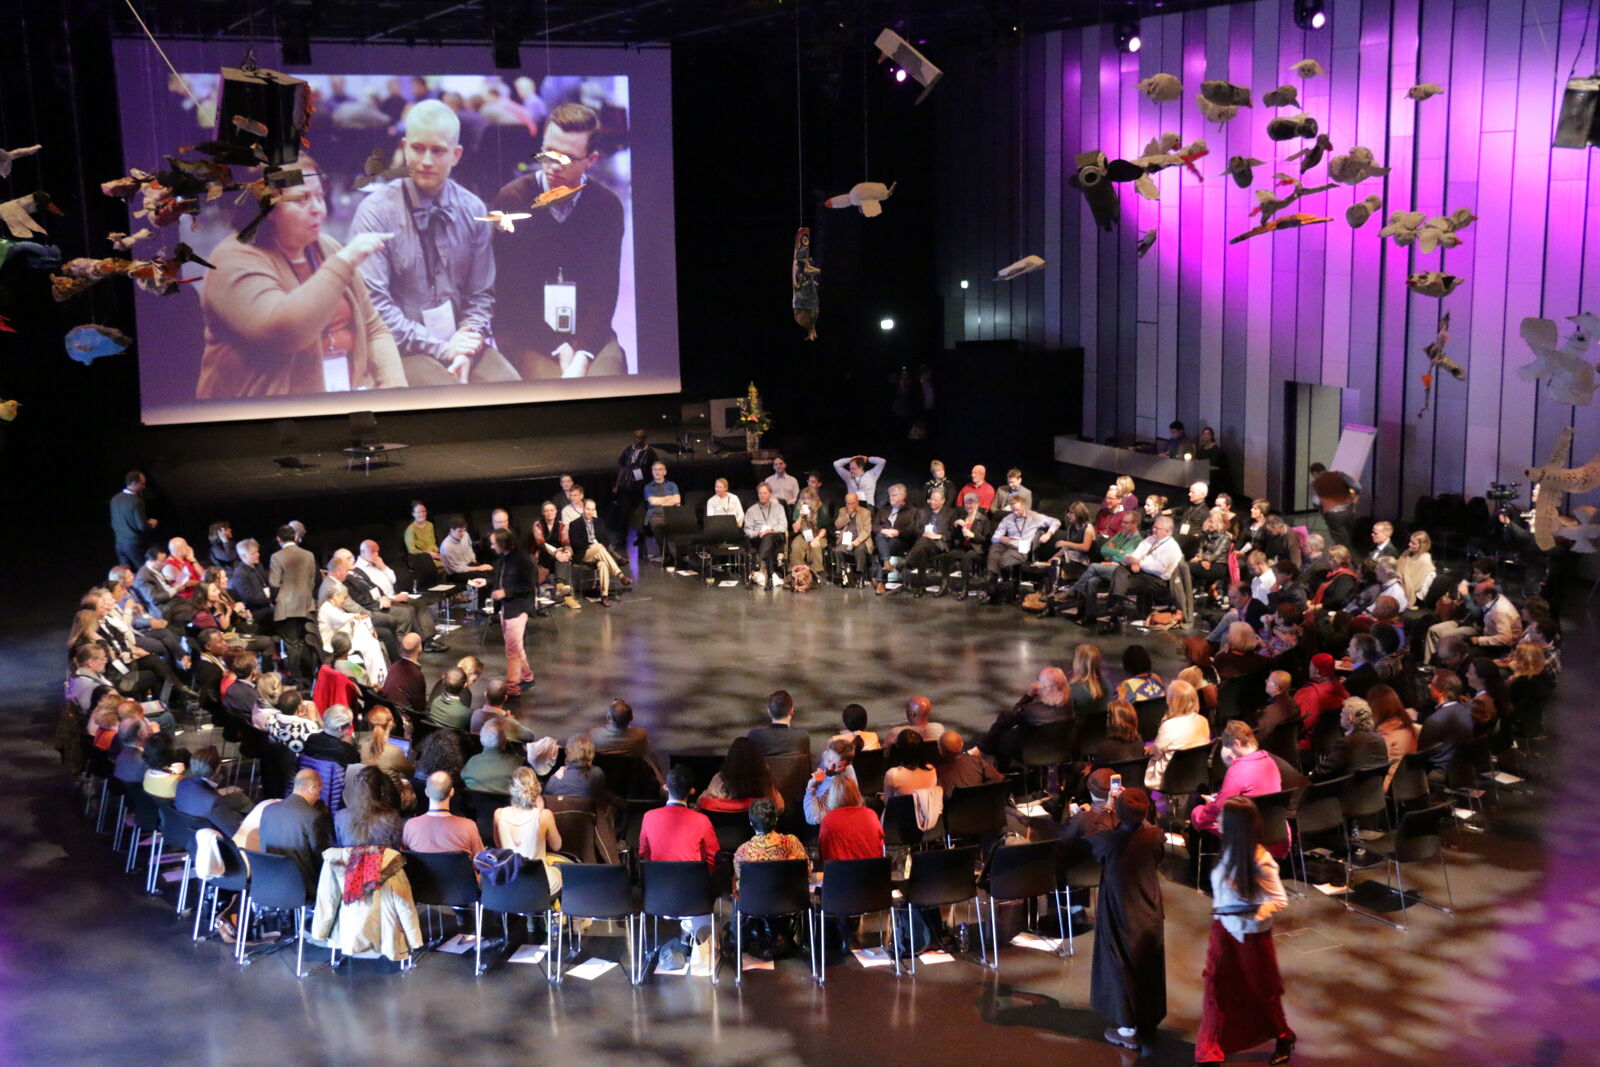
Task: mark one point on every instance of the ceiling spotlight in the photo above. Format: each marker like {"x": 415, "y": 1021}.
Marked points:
{"x": 1128, "y": 37}
{"x": 885, "y": 325}
{"x": 1309, "y": 14}
{"x": 963, "y": 283}
{"x": 900, "y": 74}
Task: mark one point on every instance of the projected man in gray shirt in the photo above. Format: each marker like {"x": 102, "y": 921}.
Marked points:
{"x": 564, "y": 262}
{"x": 432, "y": 283}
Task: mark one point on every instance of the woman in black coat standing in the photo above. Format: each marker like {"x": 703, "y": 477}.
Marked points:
{"x": 514, "y": 587}
{"x": 1128, "y": 983}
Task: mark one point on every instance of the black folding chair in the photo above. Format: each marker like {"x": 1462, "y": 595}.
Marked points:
{"x": 594, "y": 891}
{"x": 276, "y": 883}
{"x": 773, "y": 889}
{"x": 1318, "y": 812}
{"x": 235, "y": 876}
{"x": 1048, "y": 746}
{"x": 526, "y": 894}
{"x": 175, "y": 836}
{"x": 1409, "y": 786}
{"x": 675, "y": 890}
{"x": 976, "y": 811}
{"x": 1021, "y": 872}
{"x": 852, "y": 888}
{"x": 445, "y": 880}
{"x": 484, "y": 805}
{"x": 1083, "y": 873}
{"x": 1418, "y": 838}
{"x": 900, "y": 829}
{"x": 1150, "y": 713}
{"x": 940, "y": 879}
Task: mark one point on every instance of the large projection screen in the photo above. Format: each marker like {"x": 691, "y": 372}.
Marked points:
{"x": 579, "y": 302}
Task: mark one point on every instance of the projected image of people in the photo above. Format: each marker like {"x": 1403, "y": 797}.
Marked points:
{"x": 451, "y": 231}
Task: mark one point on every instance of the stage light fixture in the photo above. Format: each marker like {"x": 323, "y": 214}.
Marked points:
{"x": 900, "y": 74}
{"x": 963, "y": 283}
{"x": 1578, "y": 123}
{"x": 1309, "y": 14}
{"x": 1128, "y": 39}
{"x": 886, "y": 324}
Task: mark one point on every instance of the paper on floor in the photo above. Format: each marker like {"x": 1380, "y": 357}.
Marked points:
{"x": 1030, "y": 940}
{"x": 529, "y": 954}
{"x": 589, "y": 970}
{"x": 936, "y": 957}
{"x": 874, "y": 957}
{"x": 459, "y": 944}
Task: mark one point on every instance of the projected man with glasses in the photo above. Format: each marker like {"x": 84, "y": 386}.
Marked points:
{"x": 433, "y": 281}
{"x": 561, "y": 267}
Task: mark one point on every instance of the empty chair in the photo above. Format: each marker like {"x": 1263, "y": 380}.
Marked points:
{"x": 1418, "y": 838}
{"x": 852, "y": 888}
{"x": 146, "y": 828}
{"x": 526, "y": 894}
{"x": 1020, "y": 872}
{"x": 1048, "y": 746}
{"x": 445, "y": 880}
{"x": 578, "y": 824}
{"x": 176, "y": 835}
{"x": 772, "y": 889}
{"x": 675, "y": 890}
{"x": 1083, "y": 873}
{"x": 1318, "y": 812}
{"x": 1409, "y": 786}
{"x": 276, "y": 883}
{"x": 732, "y": 828}
{"x": 1363, "y": 795}
{"x": 593, "y": 891}
{"x": 1276, "y": 810}
{"x": 1187, "y": 771}
{"x": 940, "y": 879}
{"x": 484, "y": 805}
{"x": 1150, "y": 713}
{"x": 976, "y": 811}
{"x": 235, "y": 876}
{"x": 900, "y": 829}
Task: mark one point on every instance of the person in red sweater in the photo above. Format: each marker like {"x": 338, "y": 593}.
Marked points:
{"x": 850, "y": 830}
{"x": 678, "y": 833}
{"x": 1324, "y": 693}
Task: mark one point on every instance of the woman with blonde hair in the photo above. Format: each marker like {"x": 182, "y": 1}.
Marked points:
{"x": 1415, "y": 566}
{"x": 809, "y": 517}
{"x": 1182, "y": 727}
{"x": 378, "y": 751}
{"x": 1241, "y": 652}
{"x": 1086, "y": 684}
{"x": 527, "y": 827}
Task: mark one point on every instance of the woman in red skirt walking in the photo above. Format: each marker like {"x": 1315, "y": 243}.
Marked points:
{"x": 1243, "y": 991}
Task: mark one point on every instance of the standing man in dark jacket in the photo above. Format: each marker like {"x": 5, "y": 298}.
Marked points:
{"x": 129, "y": 522}
{"x": 633, "y": 471}
{"x": 299, "y": 826}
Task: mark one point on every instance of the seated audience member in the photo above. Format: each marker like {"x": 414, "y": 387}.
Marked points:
{"x": 1144, "y": 570}
{"x": 743, "y": 779}
{"x": 1190, "y": 516}
{"x": 1010, "y": 491}
{"x": 371, "y": 812}
{"x": 210, "y": 666}
{"x": 932, "y": 544}
{"x": 1108, "y": 520}
{"x": 590, "y": 539}
{"x": 579, "y": 777}
{"x": 1208, "y": 565}
{"x": 959, "y": 769}
{"x": 979, "y": 485}
{"x": 1016, "y": 536}
{"x": 1383, "y": 541}
{"x": 765, "y": 526}
{"x": 164, "y": 766}
{"x": 1251, "y": 772}
{"x": 404, "y": 684}
{"x": 159, "y": 597}
{"x": 132, "y": 733}
{"x": 339, "y": 615}
{"x": 299, "y": 826}
{"x": 248, "y": 582}
{"x": 848, "y": 829}
{"x": 89, "y": 661}
{"x": 182, "y": 571}
{"x": 836, "y": 760}
{"x": 969, "y": 540}
{"x": 1324, "y": 693}
{"x": 1086, "y": 685}
{"x": 1142, "y": 681}
{"x": 779, "y": 737}
{"x": 854, "y": 719}
{"x": 660, "y": 494}
{"x": 854, "y": 526}
{"x": 937, "y": 480}
{"x": 1531, "y": 681}
{"x": 1316, "y": 564}
{"x": 199, "y": 796}
{"x": 1241, "y": 653}
{"x": 894, "y": 532}
{"x": 722, "y": 502}
{"x": 1155, "y": 504}
{"x": 1392, "y": 723}
{"x": 860, "y": 476}
{"x": 1449, "y": 725}
{"x": 1280, "y": 707}
{"x": 563, "y": 491}
{"x": 293, "y": 731}
{"x": 1182, "y": 727}
{"x": 527, "y": 827}
{"x": 378, "y": 751}
{"x": 619, "y": 736}
{"x": 436, "y": 830}
{"x": 1048, "y": 700}
{"x": 449, "y": 710}
{"x": 1122, "y": 741}
{"x": 1285, "y": 588}
{"x": 240, "y": 696}
{"x": 219, "y": 545}
{"x": 1415, "y": 567}
{"x": 785, "y": 489}
{"x": 419, "y": 537}
{"x": 153, "y": 634}
{"x": 335, "y": 743}
{"x": 809, "y": 544}
{"x": 908, "y": 767}
{"x": 918, "y": 710}
{"x": 1358, "y": 746}
{"x": 440, "y": 751}
{"x": 676, "y": 833}
{"x": 1339, "y": 584}
{"x": 767, "y": 844}
{"x": 490, "y": 771}
{"x": 493, "y": 709}
{"x": 1366, "y": 665}
{"x": 1280, "y": 542}
{"x": 1074, "y": 543}
{"x": 457, "y": 551}
{"x": 572, "y": 509}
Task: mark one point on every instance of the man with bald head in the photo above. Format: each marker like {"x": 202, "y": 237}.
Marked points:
{"x": 918, "y": 709}
{"x": 373, "y": 585}
{"x": 182, "y": 571}
{"x": 299, "y": 826}
{"x": 432, "y": 283}
{"x": 1047, "y": 701}
{"x": 436, "y": 830}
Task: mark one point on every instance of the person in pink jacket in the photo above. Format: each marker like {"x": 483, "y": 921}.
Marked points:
{"x": 1251, "y": 773}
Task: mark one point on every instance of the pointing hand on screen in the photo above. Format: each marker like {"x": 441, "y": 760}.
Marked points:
{"x": 361, "y": 246}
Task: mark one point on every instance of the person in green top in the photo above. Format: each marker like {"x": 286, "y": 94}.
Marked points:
{"x": 1097, "y": 577}
{"x": 420, "y": 539}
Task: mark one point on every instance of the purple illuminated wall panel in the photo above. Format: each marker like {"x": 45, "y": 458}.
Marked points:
{"x": 1208, "y": 332}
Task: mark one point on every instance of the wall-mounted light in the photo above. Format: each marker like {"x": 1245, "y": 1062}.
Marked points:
{"x": 1309, "y": 14}
{"x": 1128, "y": 39}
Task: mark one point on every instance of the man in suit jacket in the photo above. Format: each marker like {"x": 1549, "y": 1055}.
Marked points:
{"x": 197, "y": 795}
{"x": 299, "y": 826}
{"x": 248, "y": 582}
{"x": 293, "y": 574}
{"x": 129, "y": 523}
{"x": 934, "y": 536}
{"x": 590, "y": 541}
{"x": 404, "y": 684}
{"x": 240, "y": 699}
{"x": 894, "y": 531}
{"x": 779, "y": 738}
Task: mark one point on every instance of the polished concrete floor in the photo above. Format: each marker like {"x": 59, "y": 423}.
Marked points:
{"x": 96, "y": 972}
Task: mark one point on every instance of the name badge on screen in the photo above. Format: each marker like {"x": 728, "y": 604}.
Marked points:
{"x": 561, "y": 307}
{"x": 336, "y": 373}
{"x": 440, "y": 321}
